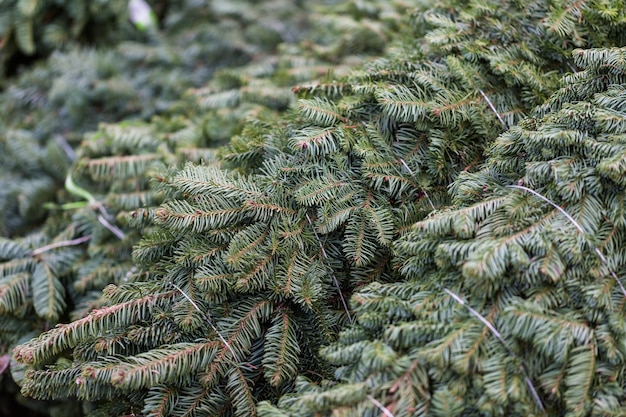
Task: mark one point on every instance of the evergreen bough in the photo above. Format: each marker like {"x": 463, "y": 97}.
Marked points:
{"x": 108, "y": 173}
{"x": 54, "y": 272}
{"x": 513, "y": 299}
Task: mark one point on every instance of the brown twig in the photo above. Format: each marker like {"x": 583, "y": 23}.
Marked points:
{"x": 60, "y": 244}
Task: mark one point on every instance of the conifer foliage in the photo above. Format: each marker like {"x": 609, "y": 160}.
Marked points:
{"x": 54, "y": 272}
{"x": 243, "y": 275}
{"x": 513, "y": 301}
{"x": 47, "y": 108}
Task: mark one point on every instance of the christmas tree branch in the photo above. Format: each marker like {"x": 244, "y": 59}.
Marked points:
{"x": 578, "y": 226}
{"x": 497, "y": 334}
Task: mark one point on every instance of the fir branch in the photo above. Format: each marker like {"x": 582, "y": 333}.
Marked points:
{"x": 157, "y": 366}
{"x": 580, "y": 229}
{"x": 238, "y": 387}
{"x": 497, "y": 334}
{"x": 65, "y": 336}
{"x": 48, "y": 291}
{"x": 14, "y": 290}
{"x": 321, "y": 111}
{"x": 282, "y": 351}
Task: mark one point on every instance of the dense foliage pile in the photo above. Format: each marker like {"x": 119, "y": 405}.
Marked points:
{"x": 512, "y": 302}
{"x": 243, "y": 276}
{"x": 58, "y": 253}
{"x": 47, "y": 109}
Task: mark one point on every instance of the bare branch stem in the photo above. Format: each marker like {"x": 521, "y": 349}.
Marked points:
{"x": 497, "y": 334}
{"x": 207, "y": 318}
{"x": 112, "y": 228}
{"x": 493, "y": 108}
{"x": 336, "y": 281}
{"x": 60, "y": 244}
{"x": 381, "y": 407}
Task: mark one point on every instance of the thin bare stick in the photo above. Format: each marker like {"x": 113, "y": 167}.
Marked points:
{"x": 578, "y": 226}
{"x": 381, "y": 407}
{"x": 60, "y": 244}
{"x": 573, "y": 68}
{"x": 5, "y": 360}
{"x": 319, "y": 241}
{"x": 478, "y": 316}
{"x": 493, "y": 109}
{"x": 103, "y": 210}
{"x": 404, "y": 164}
{"x": 62, "y": 142}
{"x": 114, "y": 229}
{"x": 497, "y": 334}
{"x": 553, "y": 204}
{"x": 207, "y": 318}
{"x": 530, "y": 385}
